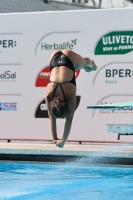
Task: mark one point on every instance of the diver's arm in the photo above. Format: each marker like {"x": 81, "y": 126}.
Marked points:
{"x": 69, "y": 118}
{"x": 52, "y": 119}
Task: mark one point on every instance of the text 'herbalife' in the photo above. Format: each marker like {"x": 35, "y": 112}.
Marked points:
{"x": 8, "y": 106}
{"x": 65, "y": 45}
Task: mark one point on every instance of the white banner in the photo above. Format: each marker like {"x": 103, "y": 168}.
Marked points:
{"x": 26, "y": 43}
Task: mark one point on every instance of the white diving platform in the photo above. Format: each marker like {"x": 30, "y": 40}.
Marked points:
{"x": 121, "y": 129}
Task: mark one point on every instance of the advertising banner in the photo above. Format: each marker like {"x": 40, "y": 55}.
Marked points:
{"x": 26, "y": 43}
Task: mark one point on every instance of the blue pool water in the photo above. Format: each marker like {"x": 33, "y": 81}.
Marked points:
{"x": 43, "y": 181}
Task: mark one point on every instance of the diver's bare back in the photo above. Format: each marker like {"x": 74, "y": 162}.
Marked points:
{"x": 59, "y": 75}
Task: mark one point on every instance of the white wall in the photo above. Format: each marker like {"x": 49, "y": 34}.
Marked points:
{"x": 21, "y": 37}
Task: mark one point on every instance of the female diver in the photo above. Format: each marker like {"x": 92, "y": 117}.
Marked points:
{"x": 61, "y": 90}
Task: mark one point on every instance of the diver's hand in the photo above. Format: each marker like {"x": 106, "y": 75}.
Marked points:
{"x": 60, "y": 143}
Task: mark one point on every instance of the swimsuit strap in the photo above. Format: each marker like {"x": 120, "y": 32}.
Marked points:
{"x": 60, "y": 87}
{"x": 55, "y": 89}
{"x": 62, "y": 92}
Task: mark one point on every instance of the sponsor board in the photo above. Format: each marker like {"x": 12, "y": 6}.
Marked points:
{"x": 41, "y": 111}
{"x": 7, "y": 76}
{"x": 43, "y": 77}
{"x": 57, "y": 41}
{"x": 7, "y": 44}
{"x": 25, "y": 51}
{"x": 120, "y": 72}
{"x": 59, "y": 46}
{"x": 8, "y": 106}
{"x": 117, "y": 42}
{"x": 115, "y": 73}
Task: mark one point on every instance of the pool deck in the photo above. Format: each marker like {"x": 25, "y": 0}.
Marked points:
{"x": 8, "y": 151}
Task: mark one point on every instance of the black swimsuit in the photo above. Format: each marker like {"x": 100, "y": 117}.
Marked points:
{"x": 58, "y": 60}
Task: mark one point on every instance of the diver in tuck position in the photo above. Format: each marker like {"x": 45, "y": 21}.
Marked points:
{"x": 61, "y": 90}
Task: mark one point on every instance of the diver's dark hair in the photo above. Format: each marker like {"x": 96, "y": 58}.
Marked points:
{"x": 58, "y": 107}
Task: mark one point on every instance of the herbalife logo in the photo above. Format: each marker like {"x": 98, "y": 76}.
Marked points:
{"x": 65, "y": 45}
{"x": 120, "y": 42}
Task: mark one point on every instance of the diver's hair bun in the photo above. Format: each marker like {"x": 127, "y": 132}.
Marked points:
{"x": 58, "y": 107}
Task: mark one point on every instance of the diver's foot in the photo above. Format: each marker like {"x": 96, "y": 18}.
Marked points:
{"x": 60, "y": 143}
{"x": 94, "y": 65}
